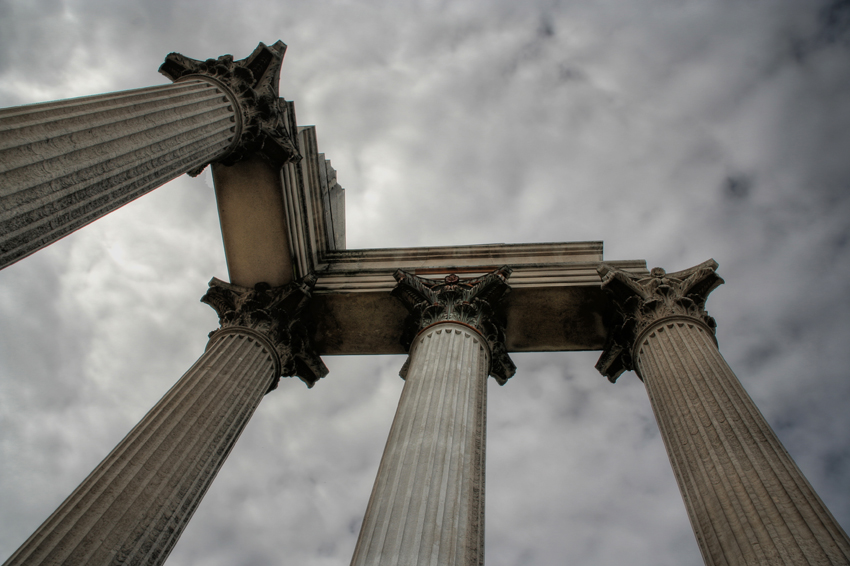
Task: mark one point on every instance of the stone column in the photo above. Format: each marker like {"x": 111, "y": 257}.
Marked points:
{"x": 747, "y": 501}
{"x": 427, "y": 505}
{"x": 136, "y": 503}
{"x": 65, "y": 164}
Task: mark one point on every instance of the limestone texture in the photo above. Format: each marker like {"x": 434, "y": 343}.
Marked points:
{"x": 134, "y": 506}
{"x": 427, "y": 505}
{"x": 65, "y": 164}
{"x": 747, "y": 501}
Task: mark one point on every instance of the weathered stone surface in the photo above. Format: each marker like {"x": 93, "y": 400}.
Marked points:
{"x": 135, "y": 504}
{"x": 468, "y": 301}
{"x": 252, "y": 86}
{"x": 747, "y": 501}
{"x": 555, "y": 303}
{"x": 65, "y": 164}
{"x": 252, "y": 214}
{"x": 277, "y": 315}
{"x": 427, "y": 505}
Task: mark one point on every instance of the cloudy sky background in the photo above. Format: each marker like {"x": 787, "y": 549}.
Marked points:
{"x": 674, "y": 131}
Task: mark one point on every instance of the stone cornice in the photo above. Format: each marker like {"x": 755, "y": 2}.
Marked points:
{"x": 275, "y": 315}
{"x": 253, "y": 84}
{"x": 641, "y": 302}
{"x": 467, "y": 301}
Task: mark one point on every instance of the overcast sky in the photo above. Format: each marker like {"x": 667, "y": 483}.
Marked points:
{"x": 674, "y": 131}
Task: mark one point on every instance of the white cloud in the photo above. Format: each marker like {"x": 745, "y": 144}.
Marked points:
{"x": 451, "y": 123}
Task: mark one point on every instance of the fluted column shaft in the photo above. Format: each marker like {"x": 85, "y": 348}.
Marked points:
{"x": 427, "y": 505}
{"x": 136, "y": 503}
{"x": 65, "y": 164}
{"x": 134, "y": 506}
{"x": 748, "y": 502}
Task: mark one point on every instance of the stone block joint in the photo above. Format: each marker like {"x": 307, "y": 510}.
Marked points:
{"x": 641, "y": 302}
{"x": 277, "y": 316}
{"x": 253, "y": 84}
{"x": 472, "y": 302}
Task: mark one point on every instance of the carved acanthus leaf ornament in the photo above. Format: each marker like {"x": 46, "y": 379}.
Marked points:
{"x": 252, "y": 83}
{"x": 467, "y": 301}
{"x": 277, "y": 314}
{"x": 641, "y": 301}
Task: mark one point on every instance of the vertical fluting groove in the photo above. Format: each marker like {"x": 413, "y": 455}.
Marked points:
{"x": 436, "y": 458}
{"x": 454, "y": 530}
{"x": 674, "y": 435}
{"x": 192, "y": 492}
{"x": 796, "y": 507}
{"x": 409, "y": 424}
{"x": 420, "y": 509}
{"x": 61, "y": 184}
{"x": 65, "y": 164}
{"x": 754, "y": 491}
{"x": 442, "y": 528}
{"x": 102, "y": 129}
{"x": 725, "y": 458}
{"x": 202, "y": 411}
{"x": 162, "y": 154}
{"x": 474, "y": 539}
{"x": 58, "y": 525}
{"x": 756, "y": 488}
{"x": 160, "y": 488}
{"x": 134, "y": 506}
{"x": 156, "y": 447}
{"x": 241, "y": 396}
{"x": 717, "y": 461}
{"x": 377, "y": 517}
{"x": 689, "y": 483}
{"x": 697, "y": 460}
{"x": 442, "y": 516}
{"x": 423, "y": 419}
{"x": 19, "y": 116}
{"x": 27, "y": 232}
{"x": 747, "y": 500}
{"x": 119, "y": 453}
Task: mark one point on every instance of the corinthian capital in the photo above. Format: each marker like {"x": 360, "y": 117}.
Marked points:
{"x": 277, "y": 315}
{"x": 467, "y": 301}
{"x": 641, "y": 301}
{"x": 251, "y": 85}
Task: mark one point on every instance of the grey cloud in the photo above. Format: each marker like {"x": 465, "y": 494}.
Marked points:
{"x": 453, "y": 124}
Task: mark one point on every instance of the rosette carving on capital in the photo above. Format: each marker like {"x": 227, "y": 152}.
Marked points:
{"x": 640, "y": 301}
{"x": 253, "y": 84}
{"x": 278, "y": 314}
{"x": 468, "y": 301}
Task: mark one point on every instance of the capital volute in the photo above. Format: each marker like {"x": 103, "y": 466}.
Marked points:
{"x": 277, "y": 315}
{"x": 472, "y": 302}
{"x": 641, "y": 301}
{"x": 251, "y": 84}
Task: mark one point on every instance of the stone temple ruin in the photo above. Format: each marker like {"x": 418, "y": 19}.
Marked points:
{"x": 296, "y": 294}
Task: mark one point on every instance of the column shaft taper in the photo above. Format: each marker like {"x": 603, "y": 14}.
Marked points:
{"x": 748, "y": 502}
{"x": 427, "y": 505}
{"x": 133, "y": 507}
{"x": 65, "y": 164}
